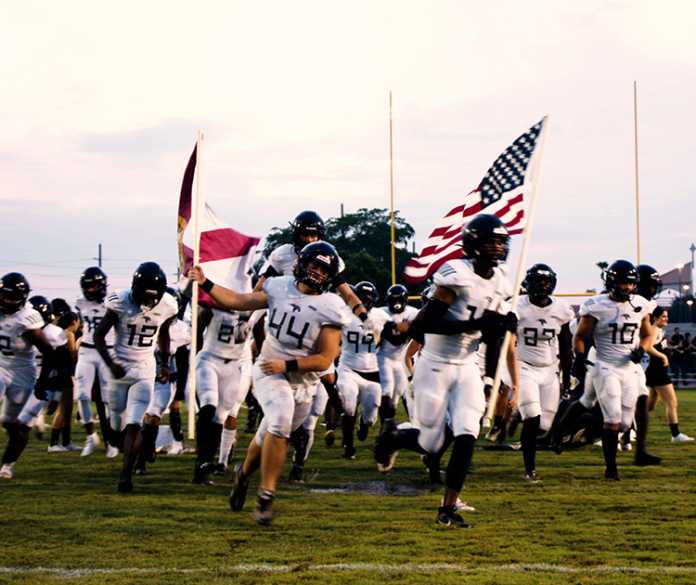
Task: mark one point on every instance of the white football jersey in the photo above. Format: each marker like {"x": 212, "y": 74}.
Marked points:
{"x": 388, "y": 349}
{"x": 283, "y": 260}
{"x": 228, "y": 335}
{"x": 617, "y": 330}
{"x": 136, "y": 330}
{"x": 474, "y": 295}
{"x": 294, "y": 322}
{"x": 359, "y": 341}
{"x": 91, "y": 313}
{"x": 538, "y": 329}
{"x": 15, "y": 352}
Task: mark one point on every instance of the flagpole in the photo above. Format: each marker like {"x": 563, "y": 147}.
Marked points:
{"x": 391, "y": 192}
{"x": 195, "y": 216}
{"x": 635, "y": 145}
{"x": 536, "y": 171}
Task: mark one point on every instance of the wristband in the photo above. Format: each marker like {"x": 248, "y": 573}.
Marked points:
{"x": 207, "y": 285}
{"x": 358, "y": 306}
{"x": 363, "y": 316}
{"x": 291, "y": 366}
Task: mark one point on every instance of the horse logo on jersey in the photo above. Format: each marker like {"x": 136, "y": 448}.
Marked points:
{"x": 542, "y": 321}
{"x": 295, "y": 308}
{"x": 626, "y": 316}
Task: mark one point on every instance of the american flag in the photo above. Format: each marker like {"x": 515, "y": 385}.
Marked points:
{"x": 501, "y": 192}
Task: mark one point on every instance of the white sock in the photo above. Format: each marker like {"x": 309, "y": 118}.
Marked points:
{"x": 310, "y": 442}
{"x": 85, "y": 407}
{"x": 227, "y": 441}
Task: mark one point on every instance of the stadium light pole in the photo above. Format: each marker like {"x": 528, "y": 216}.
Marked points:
{"x": 391, "y": 192}
{"x": 635, "y": 152}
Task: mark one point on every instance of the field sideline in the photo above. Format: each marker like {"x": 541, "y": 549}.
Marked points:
{"x": 63, "y": 522}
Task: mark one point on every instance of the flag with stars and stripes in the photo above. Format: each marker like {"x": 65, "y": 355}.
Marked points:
{"x": 501, "y": 192}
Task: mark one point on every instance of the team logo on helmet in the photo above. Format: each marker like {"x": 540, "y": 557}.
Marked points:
{"x": 14, "y": 292}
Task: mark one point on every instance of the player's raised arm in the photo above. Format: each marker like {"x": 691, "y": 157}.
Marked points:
{"x": 226, "y": 297}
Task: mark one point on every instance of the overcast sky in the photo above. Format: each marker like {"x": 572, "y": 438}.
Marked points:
{"x": 101, "y": 103}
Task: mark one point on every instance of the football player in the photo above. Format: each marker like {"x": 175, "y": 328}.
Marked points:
{"x": 619, "y": 323}
{"x": 179, "y": 336}
{"x": 223, "y": 379}
{"x": 543, "y": 335}
{"x": 390, "y": 356}
{"x": 358, "y": 372}
{"x": 447, "y": 383}
{"x": 303, "y": 332}
{"x": 141, "y": 317}
{"x": 20, "y": 332}
{"x": 59, "y": 378}
{"x": 90, "y": 367}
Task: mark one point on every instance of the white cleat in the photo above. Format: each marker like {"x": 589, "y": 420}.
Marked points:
{"x": 57, "y": 449}
{"x": 625, "y": 446}
{"x": 72, "y": 447}
{"x": 91, "y": 445}
{"x": 682, "y": 438}
{"x": 7, "y": 471}
{"x": 460, "y": 506}
{"x": 177, "y": 448}
{"x": 111, "y": 452}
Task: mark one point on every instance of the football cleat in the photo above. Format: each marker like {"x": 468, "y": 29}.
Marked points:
{"x": 125, "y": 484}
{"x": 532, "y": 478}
{"x": 363, "y": 430}
{"x": 176, "y": 448}
{"x": 220, "y": 469}
{"x": 239, "y": 489}
{"x": 460, "y": 506}
{"x": 57, "y": 449}
{"x": 91, "y": 445}
{"x": 625, "y": 446}
{"x": 612, "y": 474}
{"x": 330, "y": 438}
{"x": 447, "y": 516}
{"x": 682, "y": 438}
{"x": 201, "y": 474}
{"x": 643, "y": 459}
{"x": 111, "y": 452}
{"x": 385, "y": 454}
{"x": 7, "y": 471}
{"x": 349, "y": 452}
{"x": 263, "y": 514}
{"x": 296, "y": 474}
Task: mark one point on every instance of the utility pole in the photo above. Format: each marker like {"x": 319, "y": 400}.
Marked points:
{"x": 99, "y": 255}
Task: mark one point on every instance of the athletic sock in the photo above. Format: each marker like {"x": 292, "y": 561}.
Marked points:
{"x": 149, "y": 443}
{"x": 459, "y": 461}
{"x": 641, "y": 418}
{"x": 530, "y": 428}
{"x": 407, "y": 439}
{"x": 674, "y": 429}
{"x": 227, "y": 441}
{"x": 65, "y": 435}
{"x": 610, "y": 444}
{"x": 348, "y": 428}
{"x": 175, "y": 425}
{"x": 55, "y": 437}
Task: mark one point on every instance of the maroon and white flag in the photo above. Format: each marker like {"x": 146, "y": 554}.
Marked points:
{"x": 226, "y": 255}
{"x": 501, "y": 192}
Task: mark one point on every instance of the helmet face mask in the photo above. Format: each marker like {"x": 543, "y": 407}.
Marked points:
{"x": 397, "y": 298}
{"x": 367, "y": 293}
{"x": 93, "y": 283}
{"x": 620, "y": 280}
{"x": 486, "y": 239}
{"x": 149, "y": 285}
{"x": 43, "y": 306}
{"x": 14, "y": 292}
{"x": 307, "y": 228}
{"x": 317, "y": 266}
{"x": 540, "y": 281}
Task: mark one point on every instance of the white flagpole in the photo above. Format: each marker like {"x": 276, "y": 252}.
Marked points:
{"x": 635, "y": 153}
{"x": 521, "y": 263}
{"x": 391, "y": 193}
{"x": 195, "y": 215}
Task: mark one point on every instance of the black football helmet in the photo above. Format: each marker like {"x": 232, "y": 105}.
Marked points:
{"x": 60, "y": 307}
{"x": 397, "y": 298}
{"x": 367, "y": 293}
{"x": 93, "y": 283}
{"x": 14, "y": 292}
{"x": 649, "y": 281}
{"x": 317, "y": 254}
{"x": 620, "y": 272}
{"x": 149, "y": 284}
{"x": 307, "y": 223}
{"x": 487, "y": 239}
{"x": 540, "y": 281}
{"x": 43, "y": 306}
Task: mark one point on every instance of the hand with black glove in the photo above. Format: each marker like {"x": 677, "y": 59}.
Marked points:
{"x": 579, "y": 367}
{"x": 510, "y": 322}
{"x": 491, "y": 323}
{"x": 40, "y": 390}
{"x": 637, "y": 354}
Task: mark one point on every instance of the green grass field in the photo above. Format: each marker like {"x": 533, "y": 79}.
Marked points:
{"x": 61, "y": 521}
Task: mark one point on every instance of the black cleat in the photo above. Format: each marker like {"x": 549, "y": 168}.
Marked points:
{"x": 263, "y": 514}
{"x": 219, "y": 469}
{"x": 532, "y": 478}
{"x": 612, "y": 474}
{"x": 330, "y": 438}
{"x": 643, "y": 458}
{"x": 447, "y": 516}
{"x": 239, "y": 490}
{"x": 201, "y": 474}
{"x": 296, "y": 474}
{"x": 363, "y": 430}
{"x": 385, "y": 454}
{"x": 125, "y": 484}
{"x": 349, "y": 452}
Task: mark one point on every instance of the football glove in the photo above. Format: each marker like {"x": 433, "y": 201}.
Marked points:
{"x": 637, "y": 355}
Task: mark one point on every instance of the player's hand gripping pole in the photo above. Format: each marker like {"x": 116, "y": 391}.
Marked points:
{"x": 535, "y": 173}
